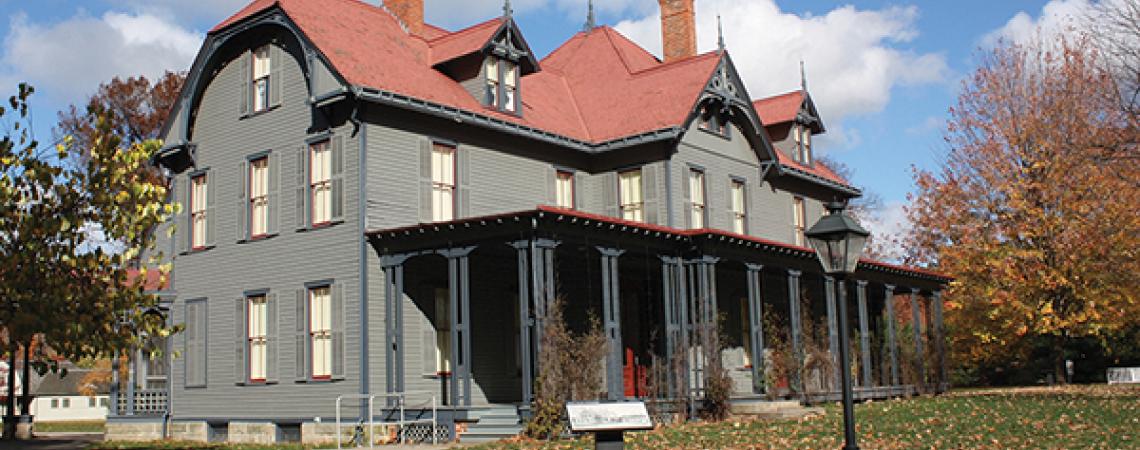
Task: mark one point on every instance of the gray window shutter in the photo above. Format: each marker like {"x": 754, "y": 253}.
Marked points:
{"x": 242, "y": 209}
{"x": 301, "y": 210}
{"x": 425, "y": 181}
{"x": 337, "y": 178}
{"x": 610, "y": 195}
{"x": 276, "y": 78}
{"x": 464, "y": 174}
{"x": 649, "y": 189}
{"x": 686, "y": 197}
{"x": 274, "y": 225}
{"x": 191, "y": 343}
{"x": 302, "y": 321}
{"x": 212, "y": 186}
{"x": 579, "y": 191}
{"x": 241, "y": 341}
{"x": 181, "y": 222}
{"x": 551, "y": 186}
{"x": 271, "y": 372}
{"x": 337, "y": 332}
{"x": 246, "y": 77}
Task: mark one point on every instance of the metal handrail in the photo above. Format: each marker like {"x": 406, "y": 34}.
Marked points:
{"x": 401, "y": 421}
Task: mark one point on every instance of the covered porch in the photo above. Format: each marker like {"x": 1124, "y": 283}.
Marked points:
{"x": 480, "y": 288}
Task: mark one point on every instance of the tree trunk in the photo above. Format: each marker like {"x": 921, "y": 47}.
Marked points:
{"x": 10, "y": 405}
{"x": 1059, "y": 372}
{"x": 26, "y": 399}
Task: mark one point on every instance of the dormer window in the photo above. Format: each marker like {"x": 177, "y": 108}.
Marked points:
{"x": 502, "y": 77}
{"x": 261, "y": 71}
{"x": 802, "y": 152}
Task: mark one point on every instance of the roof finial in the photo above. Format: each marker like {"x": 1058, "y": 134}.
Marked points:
{"x": 719, "y": 35}
{"x": 591, "y": 22}
{"x": 507, "y": 10}
{"x": 803, "y": 76}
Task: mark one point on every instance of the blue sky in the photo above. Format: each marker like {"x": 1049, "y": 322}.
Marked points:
{"x": 882, "y": 72}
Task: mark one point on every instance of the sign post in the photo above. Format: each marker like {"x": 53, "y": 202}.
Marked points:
{"x": 608, "y": 421}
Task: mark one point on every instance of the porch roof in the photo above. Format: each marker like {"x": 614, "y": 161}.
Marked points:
{"x": 533, "y": 220}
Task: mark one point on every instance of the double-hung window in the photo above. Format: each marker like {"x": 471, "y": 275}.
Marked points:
{"x": 320, "y": 332}
{"x": 257, "y": 335}
{"x": 564, "y": 189}
{"x": 802, "y": 135}
{"x": 261, "y": 70}
{"x": 799, "y": 220}
{"x": 698, "y": 201}
{"x": 739, "y": 211}
{"x": 259, "y": 197}
{"x": 320, "y": 182}
{"x": 198, "y": 208}
{"x": 442, "y": 182}
{"x": 632, "y": 198}
{"x": 502, "y": 79}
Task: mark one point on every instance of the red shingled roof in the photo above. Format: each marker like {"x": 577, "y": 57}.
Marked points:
{"x": 154, "y": 281}
{"x": 780, "y": 108}
{"x": 597, "y": 87}
{"x": 469, "y": 40}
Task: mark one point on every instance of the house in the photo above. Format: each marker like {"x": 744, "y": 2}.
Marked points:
{"x": 377, "y": 207}
{"x": 58, "y": 398}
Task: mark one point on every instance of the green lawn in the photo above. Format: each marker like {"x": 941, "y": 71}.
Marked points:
{"x": 1078, "y": 417}
{"x": 86, "y": 426}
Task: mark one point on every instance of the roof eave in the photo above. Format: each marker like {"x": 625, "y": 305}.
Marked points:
{"x": 785, "y": 169}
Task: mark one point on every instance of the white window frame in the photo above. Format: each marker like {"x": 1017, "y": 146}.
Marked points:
{"x": 261, "y": 69}
{"x": 199, "y": 195}
{"x": 257, "y": 337}
{"x": 738, "y": 189}
{"x": 259, "y": 197}
{"x": 320, "y": 183}
{"x": 799, "y": 220}
{"x": 443, "y": 182}
{"x": 491, "y": 75}
{"x": 631, "y": 194}
{"x": 320, "y": 332}
{"x": 698, "y": 199}
{"x": 564, "y": 189}
{"x": 501, "y": 78}
{"x": 442, "y": 331}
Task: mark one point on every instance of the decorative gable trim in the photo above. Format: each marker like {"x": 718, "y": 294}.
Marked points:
{"x": 507, "y": 42}
{"x": 809, "y": 115}
{"x": 725, "y": 90}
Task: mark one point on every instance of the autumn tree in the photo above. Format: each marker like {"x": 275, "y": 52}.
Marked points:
{"x": 1040, "y": 232}
{"x": 70, "y": 238}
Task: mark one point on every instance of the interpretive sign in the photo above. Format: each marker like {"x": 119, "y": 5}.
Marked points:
{"x": 618, "y": 416}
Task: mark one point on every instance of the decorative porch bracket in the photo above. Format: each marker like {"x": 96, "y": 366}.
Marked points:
{"x": 866, "y": 370}
{"x": 459, "y": 291}
{"x": 832, "y": 330}
{"x": 797, "y": 348}
{"x": 940, "y": 342}
{"x": 892, "y": 340}
{"x": 611, "y": 307}
{"x": 756, "y": 325}
{"x": 393, "y": 266}
{"x": 916, "y": 317}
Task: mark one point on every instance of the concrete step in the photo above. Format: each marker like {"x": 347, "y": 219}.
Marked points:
{"x": 498, "y": 420}
{"x": 758, "y": 407}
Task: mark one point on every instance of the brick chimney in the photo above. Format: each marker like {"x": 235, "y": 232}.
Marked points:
{"x": 678, "y": 29}
{"x": 410, "y": 12}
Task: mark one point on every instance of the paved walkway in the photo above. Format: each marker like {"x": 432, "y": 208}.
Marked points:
{"x": 54, "y": 441}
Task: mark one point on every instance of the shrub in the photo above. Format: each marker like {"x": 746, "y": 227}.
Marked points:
{"x": 569, "y": 369}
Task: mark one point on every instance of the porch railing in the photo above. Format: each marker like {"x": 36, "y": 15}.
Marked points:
{"x": 147, "y": 402}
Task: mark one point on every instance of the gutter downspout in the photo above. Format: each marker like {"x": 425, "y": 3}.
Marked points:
{"x": 362, "y": 207}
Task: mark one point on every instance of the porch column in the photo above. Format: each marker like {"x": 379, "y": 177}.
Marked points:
{"x": 704, "y": 317}
{"x": 794, "y": 312}
{"x": 756, "y": 325}
{"x": 892, "y": 341}
{"x": 522, "y": 248}
{"x": 611, "y": 307}
{"x": 113, "y": 397}
{"x": 393, "y": 266}
{"x": 670, "y": 289}
{"x": 131, "y": 362}
{"x": 940, "y": 342}
{"x": 542, "y": 272}
{"x": 920, "y": 367}
{"x": 459, "y": 291}
{"x": 864, "y": 333}
{"x": 681, "y": 305}
{"x": 832, "y": 330}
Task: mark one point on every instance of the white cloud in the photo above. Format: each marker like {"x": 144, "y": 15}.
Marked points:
{"x": 212, "y": 11}
{"x": 854, "y": 57}
{"x": 887, "y": 227}
{"x": 462, "y": 13}
{"x": 1056, "y": 18}
{"x": 68, "y": 59}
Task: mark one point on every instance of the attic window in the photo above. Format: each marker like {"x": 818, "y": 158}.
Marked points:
{"x": 802, "y": 135}
{"x": 712, "y": 122}
{"x": 502, "y": 78}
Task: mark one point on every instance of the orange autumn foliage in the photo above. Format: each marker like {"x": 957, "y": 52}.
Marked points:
{"x": 1030, "y": 214}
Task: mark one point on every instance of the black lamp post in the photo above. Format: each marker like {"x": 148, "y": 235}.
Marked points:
{"x": 838, "y": 241}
